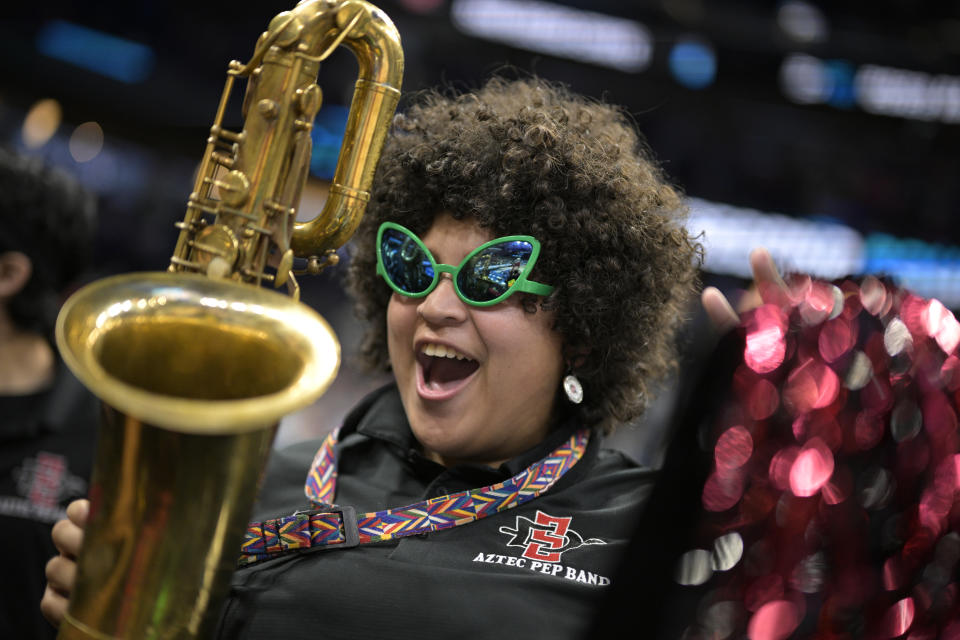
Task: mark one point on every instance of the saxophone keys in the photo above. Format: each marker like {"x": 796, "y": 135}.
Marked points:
{"x": 268, "y": 108}
{"x": 316, "y": 264}
{"x": 233, "y": 188}
{"x": 215, "y": 250}
{"x": 289, "y": 27}
{"x": 308, "y": 100}
{"x": 284, "y": 269}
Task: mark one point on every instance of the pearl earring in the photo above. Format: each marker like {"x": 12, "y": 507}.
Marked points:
{"x": 573, "y": 389}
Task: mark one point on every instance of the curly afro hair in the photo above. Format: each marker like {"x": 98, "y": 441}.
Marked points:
{"x": 530, "y": 157}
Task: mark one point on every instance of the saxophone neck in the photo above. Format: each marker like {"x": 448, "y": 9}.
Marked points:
{"x": 243, "y": 208}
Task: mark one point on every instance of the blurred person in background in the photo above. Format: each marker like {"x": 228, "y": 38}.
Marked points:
{"x": 47, "y": 418}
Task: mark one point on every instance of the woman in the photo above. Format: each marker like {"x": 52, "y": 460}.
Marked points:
{"x": 494, "y": 373}
{"x": 47, "y": 419}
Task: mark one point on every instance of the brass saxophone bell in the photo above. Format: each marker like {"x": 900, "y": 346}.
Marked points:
{"x": 195, "y": 374}
{"x": 197, "y": 365}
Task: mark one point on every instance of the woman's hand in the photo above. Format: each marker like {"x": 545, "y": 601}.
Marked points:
{"x": 768, "y": 286}
{"x": 62, "y": 569}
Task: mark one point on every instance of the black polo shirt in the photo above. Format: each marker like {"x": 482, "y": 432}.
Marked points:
{"x": 534, "y": 571}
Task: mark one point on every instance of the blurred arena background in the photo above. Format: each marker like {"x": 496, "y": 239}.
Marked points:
{"x": 826, "y": 131}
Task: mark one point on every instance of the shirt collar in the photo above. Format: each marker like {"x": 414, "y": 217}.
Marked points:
{"x": 380, "y": 415}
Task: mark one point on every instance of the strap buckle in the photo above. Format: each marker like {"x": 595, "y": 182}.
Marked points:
{"x": 351, "y": 531}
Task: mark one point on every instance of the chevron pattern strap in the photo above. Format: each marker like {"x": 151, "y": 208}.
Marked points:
{"x": 326, "y": 526}
{"x": 322, "y": 478}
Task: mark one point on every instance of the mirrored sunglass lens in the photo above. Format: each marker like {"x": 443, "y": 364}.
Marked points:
{"x": 491, "y": 272}
{"x": 405, "y": 263}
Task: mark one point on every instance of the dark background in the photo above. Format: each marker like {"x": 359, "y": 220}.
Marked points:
{"x": 739, "y": 141}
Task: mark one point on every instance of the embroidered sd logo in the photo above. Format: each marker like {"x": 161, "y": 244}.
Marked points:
{"x": 545, "y": 537}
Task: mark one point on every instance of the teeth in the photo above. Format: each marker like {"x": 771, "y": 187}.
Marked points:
{"x": 441, "y": 351}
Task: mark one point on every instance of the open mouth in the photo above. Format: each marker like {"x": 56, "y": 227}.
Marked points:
{"x": 443, "y": 370}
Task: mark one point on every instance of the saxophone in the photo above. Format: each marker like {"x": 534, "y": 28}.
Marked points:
{"x": 196, "y": 365}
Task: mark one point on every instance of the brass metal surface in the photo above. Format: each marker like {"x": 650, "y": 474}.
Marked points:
{"x": 250, "y": 181}
{"x": 195, "y": 373}
{"x": 197, "y": 365}
{"x": 136, "y": 580}
{"x": 196, "y": 355}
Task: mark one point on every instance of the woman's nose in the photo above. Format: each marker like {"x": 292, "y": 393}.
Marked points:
{"x": 442, "y": 305}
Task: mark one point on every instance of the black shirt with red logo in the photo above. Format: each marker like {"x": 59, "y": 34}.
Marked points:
{"x": 46, "y": 452}
{"x": 538, "y": 570}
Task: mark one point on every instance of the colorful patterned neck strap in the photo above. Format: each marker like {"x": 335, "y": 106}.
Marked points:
{"x": 330, "y": 526}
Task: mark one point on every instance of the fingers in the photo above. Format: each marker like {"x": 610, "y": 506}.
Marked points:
{"x": 61, "y": 575}
{"x": 77, "y": 512}
{"x": 718, "y": 309}
{"x": 53, "y": 606}
{"x": 766, "y": 277}
{"x": 762, "y": 265}
{"x": 61, "y": 570}
{"x": 68, "y": 534}
{"x": 768, "y": 287}
{"x": 67, "y": 537}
